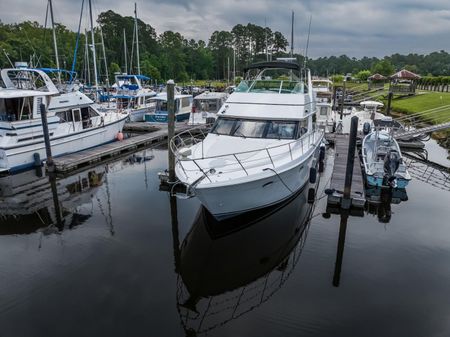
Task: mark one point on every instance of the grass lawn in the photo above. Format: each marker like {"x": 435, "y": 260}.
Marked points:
{"x": 425, "y": 101}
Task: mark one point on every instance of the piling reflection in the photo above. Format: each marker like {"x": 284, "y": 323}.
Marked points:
{"x": 29, "y": 202}
{"x": 228, "y": 268}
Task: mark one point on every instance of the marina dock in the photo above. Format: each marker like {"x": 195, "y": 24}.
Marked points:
{"x": 357, "y": 195}
{"x": 97, "y": 154}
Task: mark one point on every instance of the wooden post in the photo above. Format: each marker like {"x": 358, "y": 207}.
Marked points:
{"x": 175, "y": 232}
{"x": 388, "y": 108}
{"x": 48, "y": 149}
{"x": 346, "y": 201}
{"x": 171, "y": 126}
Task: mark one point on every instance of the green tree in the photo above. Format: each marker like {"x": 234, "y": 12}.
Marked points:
{"x": 383, "y": 67}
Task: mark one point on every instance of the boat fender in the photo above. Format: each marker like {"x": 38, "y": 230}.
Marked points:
{"x": 366, "y": 128}
{"x": 322, "y": 153}
{"x": 312, "y": 175}
{"x": 311, "y": 196}
{"x": 37, "y": 159}
{"x": 119, "y": 136}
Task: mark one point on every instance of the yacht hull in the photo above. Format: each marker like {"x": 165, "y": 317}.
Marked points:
{"x": 20, "y": 157}
{"x": 233, "y": 199}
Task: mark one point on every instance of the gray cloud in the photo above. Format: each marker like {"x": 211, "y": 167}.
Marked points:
{"x": 355, "y": 28}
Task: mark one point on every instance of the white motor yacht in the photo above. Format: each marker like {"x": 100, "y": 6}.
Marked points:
{"x": 74, "y": 124}
{"x": 262, "y": 149}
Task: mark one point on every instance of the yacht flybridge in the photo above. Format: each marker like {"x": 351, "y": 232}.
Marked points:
{"x": 73, "y": 122}
{"x": 262, "y": 149}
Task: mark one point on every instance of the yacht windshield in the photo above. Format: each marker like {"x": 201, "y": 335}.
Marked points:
{"x": 256, "y": 128}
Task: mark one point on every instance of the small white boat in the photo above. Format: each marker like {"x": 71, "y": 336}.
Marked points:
{"x": 323, "y": 90}
{"x": 73, "y": 121}
{"x": 205, "y": 107}
{"x": 262, "y": 149}
{"x": 383, "y": 162}
{"x": 183, "y": 107}
{"x": 368, "y": 114}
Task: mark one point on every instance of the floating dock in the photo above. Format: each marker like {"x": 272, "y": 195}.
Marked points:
{"x": 357, "y": 195}
{"x": 100, "y": 153}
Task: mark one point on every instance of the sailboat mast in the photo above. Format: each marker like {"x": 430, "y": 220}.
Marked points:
{"x": 125, "y": 51}
{"x": 137, "y": 39}
{"x": 292, "y": 35}
{"x": 93, "y": 45}
{"x": 86, "y": 55}
{"x": 104, "y": 58}
{"x": 55, "y": 46}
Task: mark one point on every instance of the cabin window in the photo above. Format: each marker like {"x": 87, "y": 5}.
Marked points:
{"x": 302, "y": 127}
{"x": 13, "y": 109}
{"x": 185, "y": 101}
{"x": 209, "y": 105}
{"x": 257, "y": 128}
{"x": 64, "y": 116}
{"x": 323, "y": 110}
{"x": 161, "y": 105}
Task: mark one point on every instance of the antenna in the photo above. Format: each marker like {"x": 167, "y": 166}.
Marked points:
{"x": 307, "y": 41}
{"x": 292, "y": 35}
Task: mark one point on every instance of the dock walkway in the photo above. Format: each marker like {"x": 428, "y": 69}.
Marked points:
{"x": 96, "y": 154}
{"x": 357, "y": 195}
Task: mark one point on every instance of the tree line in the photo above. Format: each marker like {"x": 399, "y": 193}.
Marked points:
{"x": 171, "y": 55}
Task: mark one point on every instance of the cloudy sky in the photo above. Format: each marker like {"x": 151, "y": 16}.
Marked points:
{"x": 353, "y": 27}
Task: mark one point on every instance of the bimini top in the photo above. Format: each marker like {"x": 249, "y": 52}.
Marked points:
{"x": 371, "y": 104}
{"x": 274, "y": 64}
{"x": 139, "y": 77}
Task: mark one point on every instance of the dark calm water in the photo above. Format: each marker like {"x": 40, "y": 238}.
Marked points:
{"x": 124, "y": 259}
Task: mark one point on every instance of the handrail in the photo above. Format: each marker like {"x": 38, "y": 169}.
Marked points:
{"x": 295, "y": 145}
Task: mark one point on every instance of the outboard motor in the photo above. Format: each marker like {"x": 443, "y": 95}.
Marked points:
{"x": 366, "y": 128}
{"x": 391, "y": 164}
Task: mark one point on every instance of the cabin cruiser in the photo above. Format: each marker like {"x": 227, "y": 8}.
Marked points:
{"x": 383, "y": 162}
{"x": 262, "y": 148}
{"x": 74, "y": 124}
{"x": 205, "y": 107}
{"x": 323, "y": 90}
{"x": 183, "y": 107}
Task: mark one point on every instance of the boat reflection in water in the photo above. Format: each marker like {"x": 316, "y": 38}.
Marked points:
{"x": 29, "y": 202}
{"x": 379, "y": 201}
{"x": 228, "y": 268}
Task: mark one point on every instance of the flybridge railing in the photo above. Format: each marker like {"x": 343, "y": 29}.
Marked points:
{"x": 244, "y": 161}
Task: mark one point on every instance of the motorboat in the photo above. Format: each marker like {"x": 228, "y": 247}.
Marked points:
{"x": 183, "y": 107}
{"x": 205, "y": 107}
{"x": 74, "y": 123}
{"x": 383, "y": 162}
{"x": 366, "y": 116}
{"x": 323, "y": 90}
{"x": 262, "y": 148}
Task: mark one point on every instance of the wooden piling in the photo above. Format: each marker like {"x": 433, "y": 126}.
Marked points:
{"x": 48, "y": 149}
{"x": 171, "y": 126}
{"x": 350, "y": 162}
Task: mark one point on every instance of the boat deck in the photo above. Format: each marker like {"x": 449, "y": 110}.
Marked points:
{"x": 357, "y": 194}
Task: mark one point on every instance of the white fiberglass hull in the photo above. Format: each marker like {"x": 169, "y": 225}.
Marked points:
{"x": 19, "y": 157}
{"x": 228, "y": 200}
